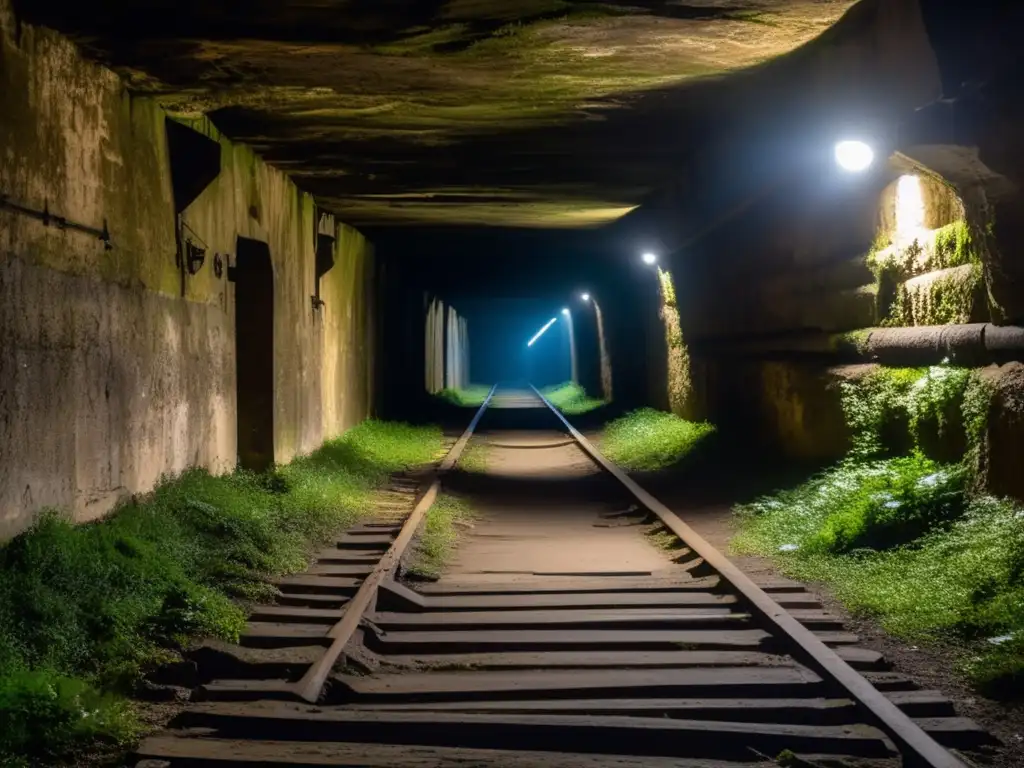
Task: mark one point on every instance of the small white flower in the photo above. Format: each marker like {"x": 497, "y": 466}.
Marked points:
{"x": 892, "y": 505}
{"x": 789, "y": 548}
{"x": 1000, "y": 639}
{"x": 931, "y": 480}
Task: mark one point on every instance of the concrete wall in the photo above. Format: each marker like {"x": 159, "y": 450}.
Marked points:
{"x": 117, "y": 366}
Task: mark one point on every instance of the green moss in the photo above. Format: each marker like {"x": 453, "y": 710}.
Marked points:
{"x": 949, "y": 298}
{"x": 976, "y": 409}
{"x": 855, "y": 341}
{"x": 472, "y": 396}
{"x": 85, "y": 610}
{"x": 876, "y": 410}
{"x": 954, "y": 247}
{"x": 649, "y": 440}
{"x": 571, "y": 399}
{"x": 439, "y": 535}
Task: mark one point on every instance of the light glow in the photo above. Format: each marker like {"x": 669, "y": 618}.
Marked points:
{"x": 649, "y": 258}
{"x": 565, "y": 311}
{"x": 909, "y": 207}
{"x": 854, "y": 156}
{"x": 585, "y": 296}
{"x": 540, "y": 333}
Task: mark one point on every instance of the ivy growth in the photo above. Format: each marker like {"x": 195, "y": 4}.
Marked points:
{"x": 680, "y": 386}
{"x": 949, "y": 298}
{"x": 876, "y": 409}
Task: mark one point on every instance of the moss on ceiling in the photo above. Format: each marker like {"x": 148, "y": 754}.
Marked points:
{"x": 390, "y": 111}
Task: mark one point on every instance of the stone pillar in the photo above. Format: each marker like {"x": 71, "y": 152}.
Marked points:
{"x": 606, "y": 363}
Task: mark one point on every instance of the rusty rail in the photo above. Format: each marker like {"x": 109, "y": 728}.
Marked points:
{"x": 311, "y": 685}
{"x": 917, "y": 748}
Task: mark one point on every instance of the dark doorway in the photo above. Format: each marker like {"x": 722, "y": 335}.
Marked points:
{"x": 254, "y": 353}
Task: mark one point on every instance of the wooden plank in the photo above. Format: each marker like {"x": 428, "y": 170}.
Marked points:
{"x": 260, "y": 634}
{"x": 286, "y": 614}
{"x": 311, "y": 600}
{"x": 588, "y": 659}
{"x": 573, "y": 733}
{"x": 218, "y": 659}
{"x": 640, "y": 618}
{"x": 957, "y": 732}
{"x": 247, "y": 690}
{"x": 564, "y": 585}
{"x": 918, "y": 704}
{"x": 311, "y": 685}
{"x": 359, "y": 570}
{"x": 817, "y": 710}
{"x": 375, "y": 543}
{"x": 318, "y": 584}
{"x": 565, "y": 640}
{"x": 709, "y": 682}
{"x": 909, "y": 737}
{"x": 210, "y": 753}
{"x": 578, "y": 600}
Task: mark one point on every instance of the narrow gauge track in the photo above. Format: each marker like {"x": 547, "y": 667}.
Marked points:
{"x": 689, "y": 666}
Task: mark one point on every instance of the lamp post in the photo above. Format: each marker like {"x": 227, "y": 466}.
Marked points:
{"x": 602, "y": 344}
{"x": 573, "y": 365}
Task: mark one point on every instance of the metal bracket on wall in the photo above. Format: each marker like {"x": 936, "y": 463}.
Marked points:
{"x": 60, "y": 222}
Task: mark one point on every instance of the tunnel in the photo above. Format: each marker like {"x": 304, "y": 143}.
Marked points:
{"x": 730, "y": 287}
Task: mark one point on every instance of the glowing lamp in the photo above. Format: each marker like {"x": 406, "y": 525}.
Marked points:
{"x": 649, "y": 258}
{"x": 540, "y": 333}
{"x": 585, "y": 296}
{"x": 565, "y": 311}
{"x": 854, "y": 156}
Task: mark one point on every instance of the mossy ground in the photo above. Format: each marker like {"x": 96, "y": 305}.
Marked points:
{"x": 648, "y": 439}
{"x": 440, "y": 533}
{"x": 905, "y": 538}
{"x": 472, "y": 396}
{"x": 571, "y": 399}
{"x": 86, "y": 610}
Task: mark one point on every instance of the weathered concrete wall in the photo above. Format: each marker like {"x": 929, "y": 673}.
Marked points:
{"x": 117, "y": 366}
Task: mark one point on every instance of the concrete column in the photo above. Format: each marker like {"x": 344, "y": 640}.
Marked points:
{"x": 451, "y": 346}
{"x": 606, "y": 363}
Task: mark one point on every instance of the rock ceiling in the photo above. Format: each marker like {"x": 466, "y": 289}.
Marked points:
{"x": 540, "y": 113}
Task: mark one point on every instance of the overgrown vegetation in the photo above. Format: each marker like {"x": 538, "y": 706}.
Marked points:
{"x": 910, "y": 295}
{"x": 648, "y": 439}
{"x": 85, "y": 610}
{"x": 571, "y": 399}
{"x": 472, "y": 396}
{"x": 438, "y": 537}
{"x": 904, "y": 537}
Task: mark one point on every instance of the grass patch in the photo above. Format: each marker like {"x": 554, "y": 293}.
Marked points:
{"x": 440, "y": 533}
{"x": 571, "y": 399}
{"x": 472, "y": 396}
{"x": 474, "y": 457}
{"x": 85, "y": 610}
{"x": 648, "y": 439}
{"x": 906, "y": 539}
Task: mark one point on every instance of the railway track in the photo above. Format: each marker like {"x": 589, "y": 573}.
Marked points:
{"x": 685, "y": 664}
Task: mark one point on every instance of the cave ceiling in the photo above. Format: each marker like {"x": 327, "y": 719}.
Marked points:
{"x": 523, "y": 113}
